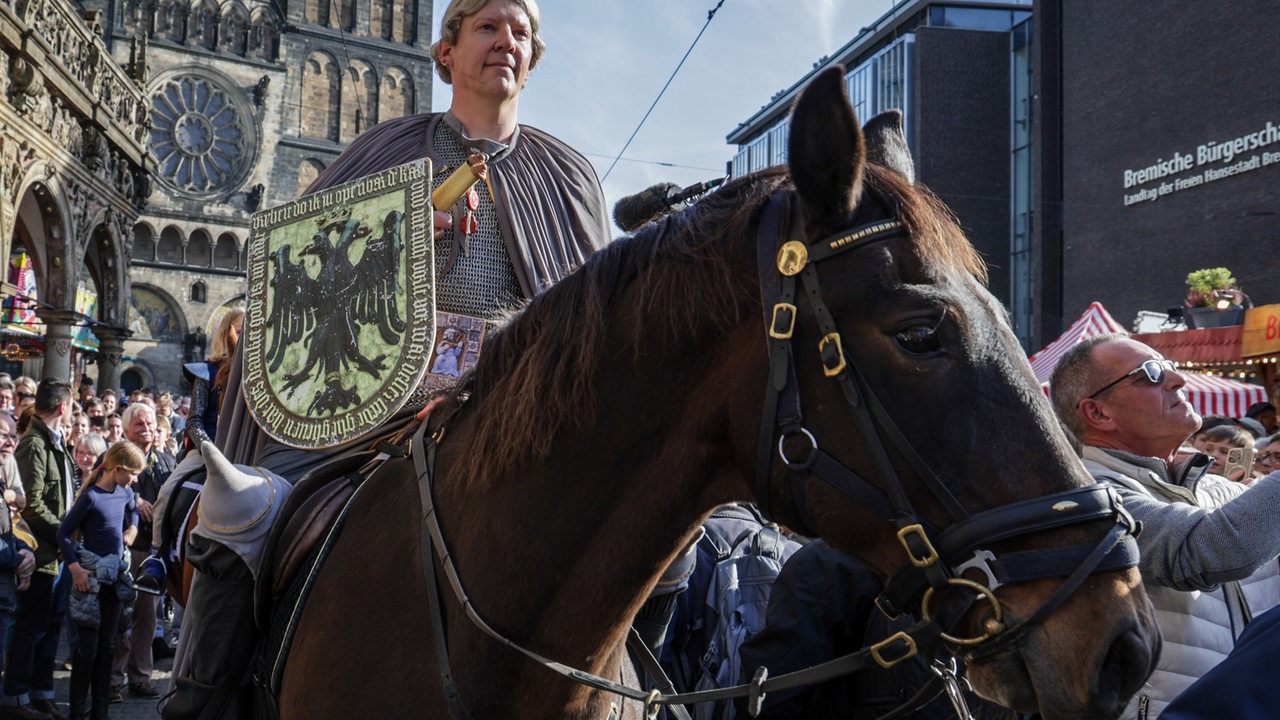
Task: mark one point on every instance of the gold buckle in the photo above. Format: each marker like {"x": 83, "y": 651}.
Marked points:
{"x": 828, "y": 369}
{"x": 774, "y": 332}
{"x": 917, "y": 530}
{"x": 878, "y": 648}
{"x": 993, "y": 625}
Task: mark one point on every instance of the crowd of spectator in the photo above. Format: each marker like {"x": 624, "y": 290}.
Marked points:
{"x": 53, "y": 441}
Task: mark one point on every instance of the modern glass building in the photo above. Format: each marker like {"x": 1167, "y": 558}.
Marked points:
{"x": 954, "y": 71}
{"x": 1092, "y": 150}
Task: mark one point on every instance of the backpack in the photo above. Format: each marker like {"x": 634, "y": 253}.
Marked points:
{"x": 736, "y": 599}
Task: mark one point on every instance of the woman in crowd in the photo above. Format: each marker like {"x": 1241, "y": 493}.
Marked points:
{"x": 209, "y": 380}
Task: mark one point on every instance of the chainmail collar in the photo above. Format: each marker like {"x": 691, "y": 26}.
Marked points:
{"x": 491, "y": 148}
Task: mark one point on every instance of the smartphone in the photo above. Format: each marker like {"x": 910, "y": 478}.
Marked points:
{"x": 1238, "y": 459}
{"x": 97, "y": 422}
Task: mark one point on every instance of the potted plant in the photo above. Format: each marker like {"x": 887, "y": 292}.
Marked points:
{"x": 1213, "y": 299}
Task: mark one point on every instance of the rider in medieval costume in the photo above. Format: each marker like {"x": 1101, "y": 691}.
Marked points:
{"x": 539, "y": 214}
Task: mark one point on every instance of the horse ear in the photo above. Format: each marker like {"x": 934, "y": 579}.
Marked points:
{"x": 826, "y": 151}
{"x": 887, "y": 144}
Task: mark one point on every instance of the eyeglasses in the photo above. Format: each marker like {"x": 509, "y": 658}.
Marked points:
{"x": 1268, "y": 458}
{"x": 1154, "y": 369}
{"x": 9, "y": 436}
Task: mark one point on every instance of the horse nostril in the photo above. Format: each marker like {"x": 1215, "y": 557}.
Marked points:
{"x": 1128, "y": 663}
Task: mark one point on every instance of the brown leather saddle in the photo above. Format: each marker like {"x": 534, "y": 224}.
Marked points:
{"x": 311, "y": 508}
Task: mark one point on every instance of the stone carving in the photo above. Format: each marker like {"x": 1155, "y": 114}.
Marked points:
{"x": 81, "y": 56}
{"x": 4, "y": 76}
{"x": 26, "y": 87}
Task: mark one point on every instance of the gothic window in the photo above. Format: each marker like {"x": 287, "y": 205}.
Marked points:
{"x": 403, "y": 22}
{"x": 203, "y": 137}
{"x": 346, "y": 19}
{"x": 317, "y": 11}
{"x": 175, "y": 21}
{"x": 308, "y": 171}
{"x": 204, "y": 24}
{"x": 320, "y": 94}
{"x": 234, "y": 29}
{"x": 134, "y": 19}
{"x": 381, "y": 18}
{"x": 262, "y": 36}
{"x": 359, "y": 100}
{"x": 199, "y": 292}
{"x": 169, "y": 249}
{"x": 144, "y": 242}
{"x": 227, "y": 252}
{"x": 199, "y": 249}
{"x": 396, "y": 99}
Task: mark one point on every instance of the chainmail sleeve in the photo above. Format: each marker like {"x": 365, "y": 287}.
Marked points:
{"x": 199, "y": 405}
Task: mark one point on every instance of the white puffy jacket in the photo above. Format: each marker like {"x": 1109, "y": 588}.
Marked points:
{"x": 1208, "y": 553}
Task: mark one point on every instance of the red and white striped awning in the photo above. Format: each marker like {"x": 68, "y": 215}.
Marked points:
{"x": 1214, "y": 395}
{"x": 1095, "y": 321}
{"x": 1208, "y": 394}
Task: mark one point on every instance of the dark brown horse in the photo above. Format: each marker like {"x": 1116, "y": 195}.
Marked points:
{"x": 610, "y": 416}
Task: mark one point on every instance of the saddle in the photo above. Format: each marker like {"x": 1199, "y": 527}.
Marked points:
{"x": 310, "y": 510}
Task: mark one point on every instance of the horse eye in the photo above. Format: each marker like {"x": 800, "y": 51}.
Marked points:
{"x": 919, "y": 339}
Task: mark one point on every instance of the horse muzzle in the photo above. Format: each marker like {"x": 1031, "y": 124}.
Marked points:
{"x": 1064, "y": 674}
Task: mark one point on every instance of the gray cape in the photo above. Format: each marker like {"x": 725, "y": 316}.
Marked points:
{"x": 550, "y": 209}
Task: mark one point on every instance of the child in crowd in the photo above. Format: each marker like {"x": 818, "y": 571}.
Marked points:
{"x": 105, "y": 516}
{"x": 1219, "y": 442}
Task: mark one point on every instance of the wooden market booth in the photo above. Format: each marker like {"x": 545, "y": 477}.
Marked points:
{"x": 1248, "y": 352}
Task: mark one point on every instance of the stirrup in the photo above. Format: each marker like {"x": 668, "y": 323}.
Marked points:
{"x": 148, "y": 585}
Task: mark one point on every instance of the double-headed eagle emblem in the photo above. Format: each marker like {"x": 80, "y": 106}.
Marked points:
{"x": 323, "y": 315}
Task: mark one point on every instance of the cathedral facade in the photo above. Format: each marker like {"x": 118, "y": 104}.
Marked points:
{"x": 247, "y": 101}
{"x": 73, "y": 125}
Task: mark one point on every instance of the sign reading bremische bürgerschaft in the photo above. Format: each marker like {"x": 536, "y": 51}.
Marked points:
{"x": 1187, "y": 170}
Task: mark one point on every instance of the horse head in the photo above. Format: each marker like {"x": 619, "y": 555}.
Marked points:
{"x": 903, "y": 416}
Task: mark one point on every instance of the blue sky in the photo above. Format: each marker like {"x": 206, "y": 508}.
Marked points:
{"x": 608, "y": 59}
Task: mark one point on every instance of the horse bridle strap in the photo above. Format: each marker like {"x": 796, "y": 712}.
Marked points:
{"x": 899, "y": 647}
{"x": 424, "y": 452}
{"x": 936, "y": 560}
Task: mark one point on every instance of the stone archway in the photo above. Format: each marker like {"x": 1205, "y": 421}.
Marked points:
{"x": 136, "y": 377}
{"x": 104, "y": 278}
{"x": 41, "y": 229}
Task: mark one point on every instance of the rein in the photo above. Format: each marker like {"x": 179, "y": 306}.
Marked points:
{"x": 936, "y": 559}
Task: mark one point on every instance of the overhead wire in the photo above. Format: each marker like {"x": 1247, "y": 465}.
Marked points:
{"x": 710, "y": 16}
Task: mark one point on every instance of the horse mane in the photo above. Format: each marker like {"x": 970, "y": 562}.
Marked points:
{"x": 535, "y": 373}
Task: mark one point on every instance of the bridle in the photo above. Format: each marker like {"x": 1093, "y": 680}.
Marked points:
{"x": 937, "y": 560}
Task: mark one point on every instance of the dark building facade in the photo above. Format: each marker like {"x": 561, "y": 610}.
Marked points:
{"x": 73, "y": 177}
{"x": 1092, "y": 150}
{"x": 1168, "y": 150}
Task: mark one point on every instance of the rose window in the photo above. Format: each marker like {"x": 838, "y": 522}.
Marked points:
{"x": 201, "y": 135}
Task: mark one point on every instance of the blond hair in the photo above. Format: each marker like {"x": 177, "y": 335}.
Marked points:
{"x": 123, "y": 454}
{"x": 222, "y": 346}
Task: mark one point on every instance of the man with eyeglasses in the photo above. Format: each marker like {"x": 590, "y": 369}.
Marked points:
{"x": 14, "y": 495}
{"x": 1208, "y": 548}
{"x": 1268, "y": 458}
